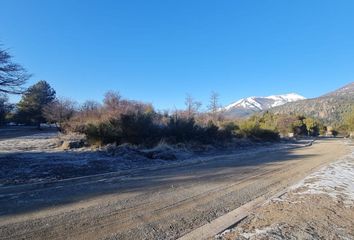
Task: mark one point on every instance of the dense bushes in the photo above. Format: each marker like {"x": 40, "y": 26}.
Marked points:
{"x": 269, "y": 126}
{"x": 256, "y": 128}
{"x": 349, "y": 120}
{"x": 123, "y": 121}
{"x": 348, "y": 125}
{"x": 120, "y": 121}
{"x": 142, "y": 128}
{"x": 180, "y": 130}
{"x": 135, "y": 128}
{"x": 186, "y": 130}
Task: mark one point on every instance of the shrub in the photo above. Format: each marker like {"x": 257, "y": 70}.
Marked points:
{"x": 349, "y": 120}
{"x": 252, "y": 129}
{"x": 265, "y": 135}
{"x": 123, "y": 121}
{"x": 210, "y": 133}
{"x": 135, "y": 128}
{"x": 248, "y": 127}
{"x": 101, "y": 133}
{"x": 138, "y": 128}
{"x": 180, "y": 130}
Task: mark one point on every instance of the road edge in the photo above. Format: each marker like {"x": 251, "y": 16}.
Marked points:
{"x": 229, "y": 219}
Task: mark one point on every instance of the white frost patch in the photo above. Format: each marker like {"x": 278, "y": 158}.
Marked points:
{"x": 35, "y": 142}
{"x": 335, "y": 180}
{"x": 257, "y": 232}
{"x": 250, "y": 235}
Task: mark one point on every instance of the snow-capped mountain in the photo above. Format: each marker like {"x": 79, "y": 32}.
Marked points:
{"x": 250, "y": 105}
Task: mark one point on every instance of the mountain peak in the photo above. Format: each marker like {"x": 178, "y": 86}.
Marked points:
{"x": 253, "y": 104}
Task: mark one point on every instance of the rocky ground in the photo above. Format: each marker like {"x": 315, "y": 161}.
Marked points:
{"x": 319, "y": 207}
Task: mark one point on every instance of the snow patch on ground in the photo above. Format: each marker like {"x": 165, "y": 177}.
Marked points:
{"x": 248, "y": 235}
{"x": 335, "y": 180}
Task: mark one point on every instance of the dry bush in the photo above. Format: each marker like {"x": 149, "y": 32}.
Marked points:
{"x": 124, "y": 121}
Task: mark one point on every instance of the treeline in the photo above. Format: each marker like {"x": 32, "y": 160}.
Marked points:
{"x": 287, "y": 125}
{"x": 119, "y": 120}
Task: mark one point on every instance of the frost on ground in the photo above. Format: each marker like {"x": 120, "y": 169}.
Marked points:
{"x": 336, "y": 180}
{"x": 39, "y": 157}
{"x": 37, "y": 142}
{"x": 319, "y": 207}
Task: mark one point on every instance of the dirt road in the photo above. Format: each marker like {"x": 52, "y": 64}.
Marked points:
{"x": 162, "y": 203}
{"x": 321, "y": 206}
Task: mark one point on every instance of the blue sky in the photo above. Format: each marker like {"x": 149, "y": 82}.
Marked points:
{"x": 158, "y": 51}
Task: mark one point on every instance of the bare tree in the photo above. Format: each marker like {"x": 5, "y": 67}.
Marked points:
{"x": 90, "y": 105}
{"x": 59, "y": 111}
{"x": 112, "y": 101}
{"x": 192, "y": 106}
{"x": 214, "y": 105}
{"x": 12, "y": 75}
{"x": 90, "y": 109}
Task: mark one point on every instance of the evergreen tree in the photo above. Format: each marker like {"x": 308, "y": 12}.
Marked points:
{"x": 30, "y": 108}
{"x": 5, "y": 108}
{"x": 349, "y": 120}
{"x": 312, "y": 126}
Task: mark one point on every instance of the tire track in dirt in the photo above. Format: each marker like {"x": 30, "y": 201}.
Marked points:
{"x": 147, "y": 211}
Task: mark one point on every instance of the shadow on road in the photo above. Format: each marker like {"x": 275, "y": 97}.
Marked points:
{"x": 18, "y": 199}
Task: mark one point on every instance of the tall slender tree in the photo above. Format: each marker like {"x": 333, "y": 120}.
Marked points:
{"x": 192, "y": 106}
{"x": 214, "y": 106}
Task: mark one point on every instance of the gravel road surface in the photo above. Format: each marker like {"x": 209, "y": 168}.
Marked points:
{"x": 155, "y": 203}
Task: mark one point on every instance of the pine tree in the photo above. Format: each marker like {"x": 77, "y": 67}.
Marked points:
{"x": 30, "y": 108}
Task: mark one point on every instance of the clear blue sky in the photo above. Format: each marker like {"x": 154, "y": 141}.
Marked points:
{"x": 157, "y": 51}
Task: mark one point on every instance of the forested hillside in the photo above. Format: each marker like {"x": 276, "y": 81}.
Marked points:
{"x": 331, "y": 108}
